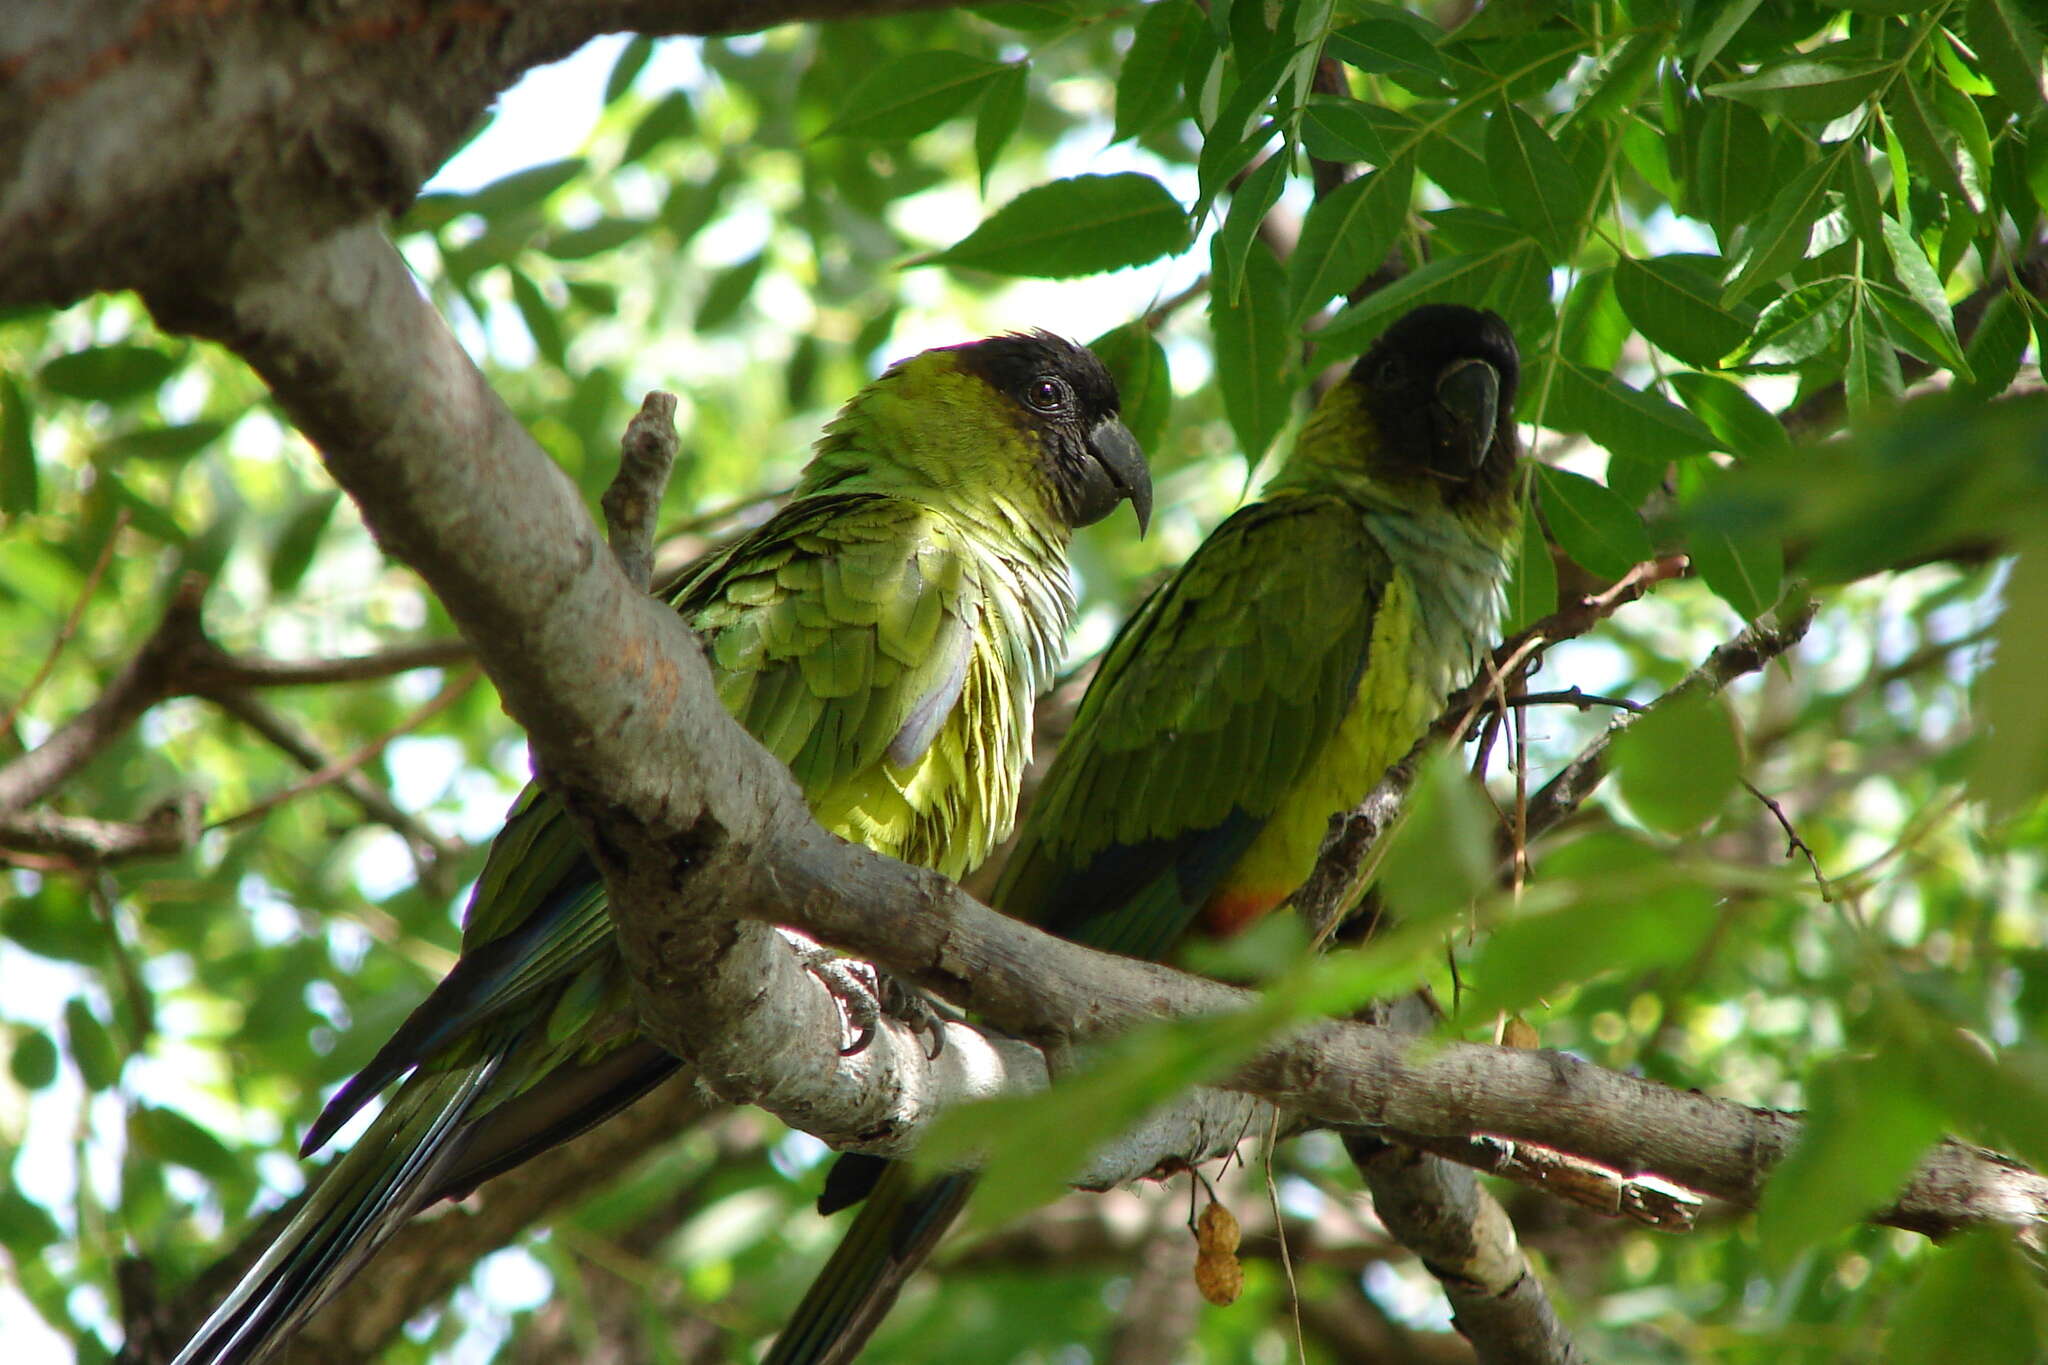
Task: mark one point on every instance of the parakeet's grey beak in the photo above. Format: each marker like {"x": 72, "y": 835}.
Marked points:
{"x": 1470, "y": 392}
{"x": 1117, "y": 472}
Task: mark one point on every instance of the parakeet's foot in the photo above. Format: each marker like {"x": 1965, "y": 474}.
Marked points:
{"x": 906, "y": 1003}
{"x": 852, "y": 984}
{"x": 869, "y": 994}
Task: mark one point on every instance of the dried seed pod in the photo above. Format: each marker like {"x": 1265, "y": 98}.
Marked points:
{"x": 1218, "y": 1275}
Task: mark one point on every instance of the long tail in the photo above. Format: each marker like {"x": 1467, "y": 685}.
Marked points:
{"x": 894, "y": 1231}
{"x": 431, "y": 1143}
{"x": 360, "y": 1201}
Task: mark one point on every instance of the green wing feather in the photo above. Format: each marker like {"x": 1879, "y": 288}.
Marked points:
{"x": 1210, "y": 707}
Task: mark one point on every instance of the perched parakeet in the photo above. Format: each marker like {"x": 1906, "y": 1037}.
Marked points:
{"x": 1298, "y": 654}
{"x": 884, "y": 635}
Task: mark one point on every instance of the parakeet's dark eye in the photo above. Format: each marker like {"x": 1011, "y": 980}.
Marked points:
{"x": 1048, "y": 393}
{"x": 1386, "y": 374}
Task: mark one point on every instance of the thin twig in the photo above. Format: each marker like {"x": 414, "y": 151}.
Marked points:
{"x": 215, "y": 669}
{"x": 342, "y": 767}
{"x": 428, "y": 850}
{"x": 1794, "y": 845}
{"x": 70, "y": 626}
{"x": 1572, "y": 696}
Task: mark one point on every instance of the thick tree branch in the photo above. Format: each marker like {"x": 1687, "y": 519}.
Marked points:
{"x": 1439, "y": 1212}
{"x": 169, "y": 829}
{"x": 294, "y": 120}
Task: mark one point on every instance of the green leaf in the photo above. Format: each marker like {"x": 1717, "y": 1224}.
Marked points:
{"x": 1619, "y": 906}
{"x": 1960, "y": 113}
{"x": 1971, "y": 1301}
{"x": 1337, "y": 129}
{"x": 172, "y": 1137}
{"x": 1595, "y": 329}
{"x": 1779, "y": 242}
{"x": 169, "y": 444}
{"x": 1532, "y": 591}
{"x": 1596, "y": 528}
{"x": 1808, "y": 89}
{"x": 1534, "y": 183}
{"x": 1249, "y": 205}
{"x": 727, "y": 293}
{"x": 1346, "y": 236}
{"x": 541, "y": 323}
{"x": 107, "y": 373}
{"x": 1871, "y": 376}
{"x": 1441, "y": 856}
{"x": 1002, "y": 110}
{"x": 1803, "y": 324}
{"x": 25, "y": 1226}
{"x": 909, "y": 94}
{"x": 1380, "y": 47}
{"x": 1742, "y": 426}
{"x": 1730, "y": 177}
{"x": 1867, "y": 1126}
{"x": 1254, "y": 351}
{"x": 671, "y": 117}
{"x": 632, "y": 58}
{"x": 1028, "y": 16}
{"x": 1470, "y": 279}
{"x": 1677, "y": 764}
{"x": 1614, "y": 88}
{"x": 524, "y": 189}
{"x": 1924, "y": 289}
{"x": 298, "y": 540}
{"x": 1079, "y": 226}
{"x": 91, "y": 1046}
{"x": 1727, "y": 23}
{"x": 1624, "y": 420}
{"x": 33, "y": 1060}
{"x": 2008, "y": 47}
{"x": 1997, "y": 346}
{"x": 2012, "y": 767}
{"x": 1746, "y": 568}
{"x": 606, "y": 234}
{"x": 1148, "y": 84}
{"x": 1675, "y": 303}
{"x": 1930, "y": 146}
{"x": 20, "y": 487}
{"x": 1143, "y": 382}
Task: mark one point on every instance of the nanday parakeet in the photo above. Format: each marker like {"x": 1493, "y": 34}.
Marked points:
{"x": 1296, "y": 656}
{"x": 884, "y": 635}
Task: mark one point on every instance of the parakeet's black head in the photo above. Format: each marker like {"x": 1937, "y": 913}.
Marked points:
{"x": 1440, "y": 387}
{"x": 1064, "y": 399}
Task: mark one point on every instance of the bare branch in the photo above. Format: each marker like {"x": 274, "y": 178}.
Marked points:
{"x": 70, "y": 626}
{"x": 150, "y": 677}
{"x": 1438, "y": 1211}
{"x": 427, "y": 847}
{"x": 168, "y": 830}
{"x": 213, "y": 670}
{"x": 647, "y": 453}
{"x": 1642, "y": 1198}
{"x": 349, "y": 765}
